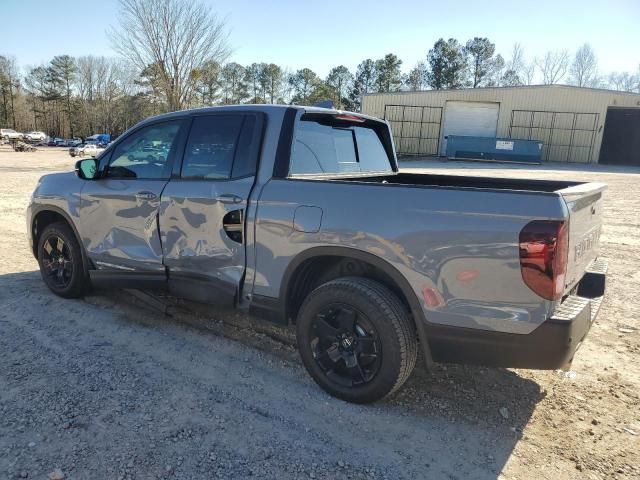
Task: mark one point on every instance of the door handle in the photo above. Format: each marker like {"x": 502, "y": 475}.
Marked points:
{"x": 228, "y": 198}
{"x": 146, "y": 196}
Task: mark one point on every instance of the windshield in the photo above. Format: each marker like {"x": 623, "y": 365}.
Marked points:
{"x": 324, "y": 144}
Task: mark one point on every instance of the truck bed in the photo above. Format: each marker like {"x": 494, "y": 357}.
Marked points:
{"x": 460, "y": 181}
{"x": 583, "y": 201}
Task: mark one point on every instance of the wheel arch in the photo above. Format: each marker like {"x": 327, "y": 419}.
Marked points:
{"x": 321, "y": 263}
{"x": 44, "y": 215}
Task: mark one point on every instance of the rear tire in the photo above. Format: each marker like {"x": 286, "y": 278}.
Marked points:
{"x": 60, "y": 261}
{"x": 356, "y": 339}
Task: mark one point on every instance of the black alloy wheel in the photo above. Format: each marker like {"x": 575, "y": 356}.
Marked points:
{"x": 356, "y": 339}
{"x": 60, "y": 260}
{"x": 57, "y": 261}
{"x": 345, "y": 345}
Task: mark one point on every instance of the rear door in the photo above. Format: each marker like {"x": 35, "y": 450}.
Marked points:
{"x": 203, "y": 207}
{"x": 118, "y": 217}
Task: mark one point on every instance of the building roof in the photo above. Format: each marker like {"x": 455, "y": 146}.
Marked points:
{"x": 523, "y": 87}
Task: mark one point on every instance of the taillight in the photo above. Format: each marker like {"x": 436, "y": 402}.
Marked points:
{"x": 544, "y": 247}
{"x": 349, "y": 118}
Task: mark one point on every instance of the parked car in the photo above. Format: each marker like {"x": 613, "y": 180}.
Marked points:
{"x": 10, "y": 134}
{"x": 35, "y": 136}
{"x": 75, "y": 151}
{"x": 102, "y": 139}
{"x": 149, "y": 152}
{"x": 74, "y": 142}
{"x": 90, "y": 149}
{"x": 56, "y": 142}
{"x": 300, "y": 215}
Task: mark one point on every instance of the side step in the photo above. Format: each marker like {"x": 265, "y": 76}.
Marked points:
{"x": 109, "y": 279}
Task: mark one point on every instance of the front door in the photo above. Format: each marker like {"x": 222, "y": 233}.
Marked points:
{"x": 203, "y": 207}
{"x": 119, "y": 211}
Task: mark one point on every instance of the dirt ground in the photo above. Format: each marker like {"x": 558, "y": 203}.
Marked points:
{"x": 107, "y": 387}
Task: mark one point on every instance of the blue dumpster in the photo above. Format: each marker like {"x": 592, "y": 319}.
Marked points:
{"x": 493, "y": 149}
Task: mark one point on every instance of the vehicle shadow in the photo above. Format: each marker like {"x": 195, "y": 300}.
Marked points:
{"x": 478, "y": 413}
{"x": 453, "y": 422}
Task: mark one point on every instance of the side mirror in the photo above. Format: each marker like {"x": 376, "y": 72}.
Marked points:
{"x": 87, "y": 169}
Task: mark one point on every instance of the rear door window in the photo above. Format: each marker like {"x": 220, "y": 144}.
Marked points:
{"x": 221, "y": 147}
{"x": 211, "y": 147}
{"x": 327, "y": 147}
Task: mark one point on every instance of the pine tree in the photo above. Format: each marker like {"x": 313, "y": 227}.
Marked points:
{"x": 339, "y": 80}
{"x": 388, "y": 74}
{"x": 447, "y": 65}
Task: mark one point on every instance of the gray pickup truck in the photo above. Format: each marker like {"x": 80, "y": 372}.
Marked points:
{"x": 301, "y": 216}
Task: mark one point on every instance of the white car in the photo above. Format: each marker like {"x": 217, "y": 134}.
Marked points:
{"x": 35, "y": 136}
{"x": 10, "y": 134}
{"x": 90, "y": 149}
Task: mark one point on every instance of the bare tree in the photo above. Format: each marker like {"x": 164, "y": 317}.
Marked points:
{"x": 624, "y": 81}
{"x": 8, "y": 85}
{"x": 517, "y": 62}
{"x": 175, "y": 37}
{"x": 513, "y": 74}
{"x": 529, "y": 73}
{"x": 553, "y": 66}
{"x": 584, "y": 69}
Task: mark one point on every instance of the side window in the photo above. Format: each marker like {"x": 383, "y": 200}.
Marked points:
{"x": 145, "y": 154}
{"x": 247, "y": 152}
{"x": 211, "y": 147}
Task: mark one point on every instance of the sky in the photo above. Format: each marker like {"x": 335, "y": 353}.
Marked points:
{"x": 327, "y": 33}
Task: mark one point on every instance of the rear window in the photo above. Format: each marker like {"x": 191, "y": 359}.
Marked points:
{"x": 324, "y": 146}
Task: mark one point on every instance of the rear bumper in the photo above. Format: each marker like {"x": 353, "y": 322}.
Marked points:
{"x": 552, "y": 345}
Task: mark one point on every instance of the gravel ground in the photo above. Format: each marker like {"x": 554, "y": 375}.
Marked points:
{"x": 107, "y": 387}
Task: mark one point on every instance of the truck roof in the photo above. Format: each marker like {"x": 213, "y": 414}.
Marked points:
{"x": 265, "y": 108}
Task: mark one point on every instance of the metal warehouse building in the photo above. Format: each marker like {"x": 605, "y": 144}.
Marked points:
{"x": 575, "y": 124}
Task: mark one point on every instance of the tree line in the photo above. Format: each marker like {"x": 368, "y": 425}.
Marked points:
{"x": 174, "y": 54}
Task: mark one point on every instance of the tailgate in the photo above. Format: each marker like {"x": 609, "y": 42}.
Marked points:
{"x": 585, "y": 204}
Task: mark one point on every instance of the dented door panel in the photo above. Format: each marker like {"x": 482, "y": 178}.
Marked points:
{"x": 118, "y": 223}
{"x": 202, "y": 228}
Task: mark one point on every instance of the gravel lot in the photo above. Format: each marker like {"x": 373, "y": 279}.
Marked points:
{"x": 107, "y": 387}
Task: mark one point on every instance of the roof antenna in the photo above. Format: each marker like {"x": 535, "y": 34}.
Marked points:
{"x": 324, "y": 104}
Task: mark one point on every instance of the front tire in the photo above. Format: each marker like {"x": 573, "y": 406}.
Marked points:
{"x": 356, "y": 339}
{"x": 60, "y": 261}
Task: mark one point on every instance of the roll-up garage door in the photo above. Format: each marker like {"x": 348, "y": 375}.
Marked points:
{"x": 476, "y": 119}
